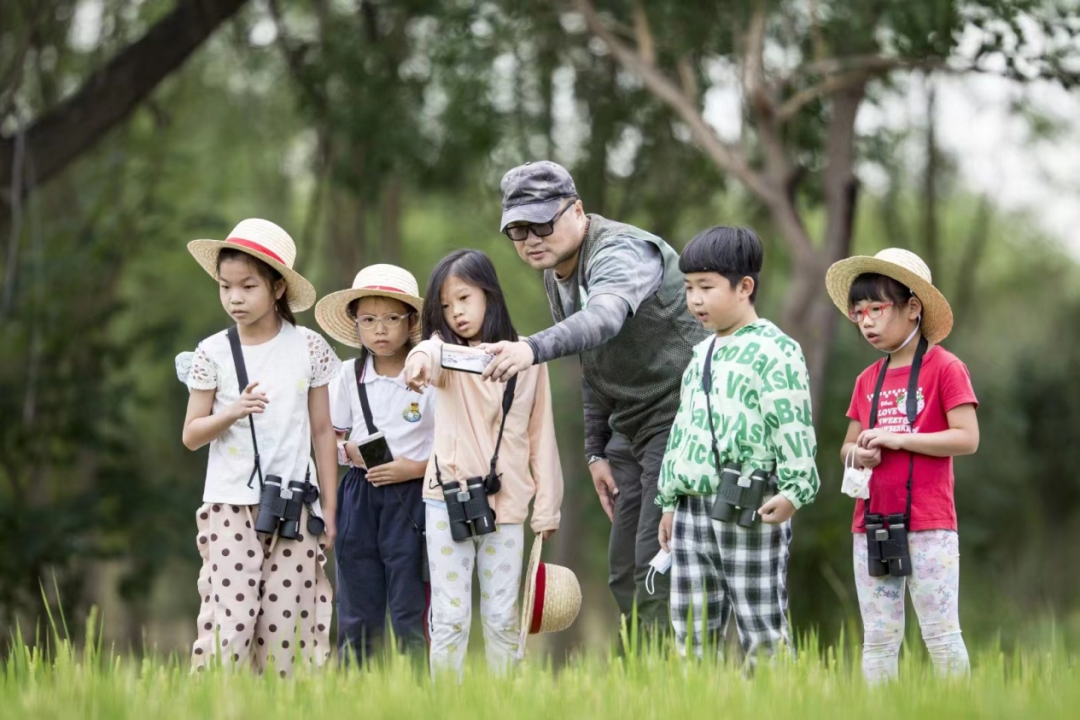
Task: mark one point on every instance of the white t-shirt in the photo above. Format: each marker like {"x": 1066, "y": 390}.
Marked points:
{"x": 405, "y": 418}
{"x": 287, "y": 367}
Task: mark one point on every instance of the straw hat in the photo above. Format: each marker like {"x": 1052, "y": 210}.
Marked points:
{"x": 905, "y": 267}
{"x": 266, "y": 241}
{"x": 389, "y": 281}
{"x": 552, "y": 597}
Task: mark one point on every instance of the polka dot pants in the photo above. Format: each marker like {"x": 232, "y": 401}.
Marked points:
{"x": 262, "y": 597}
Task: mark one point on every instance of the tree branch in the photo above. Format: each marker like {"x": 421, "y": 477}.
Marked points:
{"x": 110, "y": 95}
{"x": 646, "y": 44}
{"x": 724, "y": 155}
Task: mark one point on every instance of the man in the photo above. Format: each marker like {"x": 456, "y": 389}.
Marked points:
{"x": 617, "y": 295}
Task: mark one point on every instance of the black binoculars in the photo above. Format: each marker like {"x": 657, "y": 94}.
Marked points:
{"x": 887, "y": 545}
{"x": 280, "y": 507}
{"x": 469, "y": 510}
{"x": 736, "y": 503}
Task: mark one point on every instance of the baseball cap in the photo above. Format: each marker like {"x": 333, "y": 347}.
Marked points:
{"x": 531, "y": 192}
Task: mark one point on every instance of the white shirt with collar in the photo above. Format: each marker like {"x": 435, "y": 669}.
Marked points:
{"x": 406, "y": 418}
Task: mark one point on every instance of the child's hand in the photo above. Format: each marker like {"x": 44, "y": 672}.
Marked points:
{"x": 867, "y": 458}
{"x": 776, "y": 511}
{"x": 326, "y": 542}
{"x": 417, "y": 376}
{"x": 353, "y": 453}
{"x": 666, "y": 522}
{"x": 395, "y": 471}
{"x": 250, "y": 403}
{"x": 876, "y": 439}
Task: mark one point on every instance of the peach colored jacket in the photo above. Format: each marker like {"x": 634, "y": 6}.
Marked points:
{"x": 468, "y": 411}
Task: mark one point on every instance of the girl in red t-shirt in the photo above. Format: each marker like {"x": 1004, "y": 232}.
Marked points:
{"x": 906, "y": 431}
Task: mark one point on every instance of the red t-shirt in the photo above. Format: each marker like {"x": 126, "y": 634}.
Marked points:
{"x": 944, "y": 384}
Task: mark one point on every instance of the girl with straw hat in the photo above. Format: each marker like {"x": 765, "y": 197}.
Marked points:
{"x": 910, "y": 414}
{"x": 266, "y": 600}
{"x": 380, "y": 547}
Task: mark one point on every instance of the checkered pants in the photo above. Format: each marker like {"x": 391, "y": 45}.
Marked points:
{"x": 717, "y": 567}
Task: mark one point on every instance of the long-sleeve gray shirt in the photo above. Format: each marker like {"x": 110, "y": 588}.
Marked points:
{"x": 618, "y": 279}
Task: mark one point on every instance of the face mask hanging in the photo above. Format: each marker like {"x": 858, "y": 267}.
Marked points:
{"x": 856, "y": 480}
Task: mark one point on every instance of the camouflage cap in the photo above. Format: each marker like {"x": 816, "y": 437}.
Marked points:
{"x": 531, "y": 192}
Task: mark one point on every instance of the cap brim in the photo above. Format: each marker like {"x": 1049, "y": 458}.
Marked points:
{"x": 937, "y": 319}
{"x": 537, "y": 212}
{"x": 332, "y": 313}
{"x": 298, "y": 291}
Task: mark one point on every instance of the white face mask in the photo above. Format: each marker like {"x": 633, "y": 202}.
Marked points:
{"x": 856, "y": 481}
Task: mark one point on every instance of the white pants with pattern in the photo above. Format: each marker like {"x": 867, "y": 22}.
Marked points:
{"x": 934, "y": 585}
{"x": 497, "y": 558}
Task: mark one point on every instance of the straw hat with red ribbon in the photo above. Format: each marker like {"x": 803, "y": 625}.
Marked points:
{"x": 266, "y": 241}
{"x": 389, "y": 281}
{"x": 552, "y": 597}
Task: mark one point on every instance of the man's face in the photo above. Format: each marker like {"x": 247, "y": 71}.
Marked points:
{"x": 561, "y": 246}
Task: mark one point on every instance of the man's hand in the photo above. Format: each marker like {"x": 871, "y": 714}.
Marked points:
{"x": 876, "y": 439}
{"x": 867, "y": 458}
{"x": 416, "y": 373}
{"x": 777, "y": 510}
{"x": 604, "y": 482}
{"x": 395, "y": 471}
{"x": 511, "y": 358}
{"x": 666, "y": 522}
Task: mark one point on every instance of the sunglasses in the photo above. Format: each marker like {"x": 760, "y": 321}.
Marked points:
{"x": 519, "y": 233}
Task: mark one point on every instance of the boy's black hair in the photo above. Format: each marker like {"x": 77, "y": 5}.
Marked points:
{"x": 267, "y": 273}
{"x": 878, "y": 288}
{"x": 473, "y": 268}
{"x": 734, "y": 252}
{"x": 352, "y": 308}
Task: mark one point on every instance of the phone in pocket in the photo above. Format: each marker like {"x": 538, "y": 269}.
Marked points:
{"x": 374, "y": 450}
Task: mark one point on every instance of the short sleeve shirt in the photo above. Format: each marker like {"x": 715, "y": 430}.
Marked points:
{"x": 406, "y": 418}
{"x": 944, "y": 384}
{"x": 286, "y": 368}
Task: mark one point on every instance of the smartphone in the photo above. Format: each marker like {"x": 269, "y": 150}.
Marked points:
{"x": 464, "y": 359}
{"x": 374, "y": 450}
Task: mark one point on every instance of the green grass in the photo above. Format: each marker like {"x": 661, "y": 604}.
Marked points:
{"x": 68, "y": 682}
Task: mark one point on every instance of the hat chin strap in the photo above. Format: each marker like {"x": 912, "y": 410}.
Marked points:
{"x": 918, "y": 326}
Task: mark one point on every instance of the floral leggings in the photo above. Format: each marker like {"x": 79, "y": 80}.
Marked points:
{"x": 934, "y": 585}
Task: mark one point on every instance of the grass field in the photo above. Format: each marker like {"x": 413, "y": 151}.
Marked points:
{"x": 822, "y": 683}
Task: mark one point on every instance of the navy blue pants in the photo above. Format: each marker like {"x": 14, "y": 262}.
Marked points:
{"x": 378, "y": 557}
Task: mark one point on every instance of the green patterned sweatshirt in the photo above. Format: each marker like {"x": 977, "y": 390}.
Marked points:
{"x": 761, "y": 411}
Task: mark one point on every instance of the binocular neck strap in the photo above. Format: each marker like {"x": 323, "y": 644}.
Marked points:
{"x": 365, "y": 406}
{"x": 241, "y": 376}
{"x": 706, "y": 387}
{"x": 911, "y": 409}
{"x": 507, "y": 401}
{"x": 369, "y": 420}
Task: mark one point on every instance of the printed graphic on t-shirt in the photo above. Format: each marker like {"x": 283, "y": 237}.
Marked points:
{"x": 412, "y": 413}
{"x": 892, "y": 409}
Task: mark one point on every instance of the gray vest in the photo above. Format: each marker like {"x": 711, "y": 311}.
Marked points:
{"x": 638, "y": 373}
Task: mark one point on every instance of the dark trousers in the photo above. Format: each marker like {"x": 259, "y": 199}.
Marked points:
{"x": 635, "y": 529}
{"x": 379, "y": 556}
